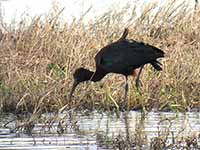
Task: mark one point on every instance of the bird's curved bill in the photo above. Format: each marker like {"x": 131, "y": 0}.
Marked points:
{"x": 73, "y": 89}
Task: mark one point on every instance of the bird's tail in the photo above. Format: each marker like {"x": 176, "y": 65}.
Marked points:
{"x": 157, "y": 52}
{"x": 157, "y": 65}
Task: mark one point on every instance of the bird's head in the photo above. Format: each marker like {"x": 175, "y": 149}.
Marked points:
{"x": 80, "y": 75}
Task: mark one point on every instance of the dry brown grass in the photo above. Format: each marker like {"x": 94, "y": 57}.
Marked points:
{"x": 38, "y": 58}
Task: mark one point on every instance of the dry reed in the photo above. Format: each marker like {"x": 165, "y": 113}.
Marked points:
{"x": 37, "y": 60}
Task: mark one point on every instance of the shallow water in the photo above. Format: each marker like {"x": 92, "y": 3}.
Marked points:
{"x": 85, "y": 132}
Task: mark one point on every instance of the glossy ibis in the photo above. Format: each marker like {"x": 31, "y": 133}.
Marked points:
{"x": 123, "y": 57}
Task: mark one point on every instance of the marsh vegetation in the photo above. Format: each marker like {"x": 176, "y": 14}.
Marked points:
{"x": 38, "y": 57}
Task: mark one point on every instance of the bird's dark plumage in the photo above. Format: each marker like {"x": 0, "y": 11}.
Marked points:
{"x": 126, "y": 55}
{"x": 122, "y": 57}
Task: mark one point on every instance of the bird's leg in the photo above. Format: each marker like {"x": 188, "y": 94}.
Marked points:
{"x": 138, "y": 82}
{"x": 126, "y": 88}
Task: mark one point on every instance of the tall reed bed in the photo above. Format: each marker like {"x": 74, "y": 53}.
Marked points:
{"x": 38, "y": 58}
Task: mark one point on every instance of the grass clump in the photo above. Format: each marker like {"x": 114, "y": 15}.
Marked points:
{"x": 39, "y": 57}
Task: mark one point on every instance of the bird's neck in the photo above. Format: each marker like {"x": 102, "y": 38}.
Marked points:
{"x": 97, "y": 75}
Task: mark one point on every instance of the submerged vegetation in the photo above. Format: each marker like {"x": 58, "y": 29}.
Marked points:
{"x": 37, "y": 60}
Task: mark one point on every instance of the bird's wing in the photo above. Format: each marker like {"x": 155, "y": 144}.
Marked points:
{"x": 123, "y": 54}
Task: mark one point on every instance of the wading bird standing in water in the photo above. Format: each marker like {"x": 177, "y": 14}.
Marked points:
{"x": 122, "y": 57}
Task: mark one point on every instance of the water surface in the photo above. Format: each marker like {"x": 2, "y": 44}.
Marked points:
{"x": 86, "y": 132}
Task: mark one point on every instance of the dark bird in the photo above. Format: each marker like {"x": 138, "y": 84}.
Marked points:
{"x": 122, "y": 57}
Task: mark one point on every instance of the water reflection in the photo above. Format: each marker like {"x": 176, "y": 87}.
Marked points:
{"x": 90, "y": 131}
